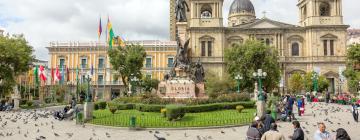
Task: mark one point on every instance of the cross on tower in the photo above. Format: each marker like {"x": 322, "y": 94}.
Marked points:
{"x": 264, "y": 13}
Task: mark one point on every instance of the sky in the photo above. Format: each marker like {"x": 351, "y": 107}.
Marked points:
{"x": 43, "y": 21}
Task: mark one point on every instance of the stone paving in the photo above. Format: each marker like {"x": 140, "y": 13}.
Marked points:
{"x": 25, "y": 125}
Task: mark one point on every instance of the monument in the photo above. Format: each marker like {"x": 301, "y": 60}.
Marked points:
{"x": 16, "y": 97}
{"x": 185, "y": 80}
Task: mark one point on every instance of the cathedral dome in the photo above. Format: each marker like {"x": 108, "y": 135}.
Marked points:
{"x": 241, "y": 12}
{"x": 239, "y": 6}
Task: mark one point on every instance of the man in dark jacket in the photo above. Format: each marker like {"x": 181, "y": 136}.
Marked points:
{"x": 253, "y": 132}
{"x": 268, "y": 120}
{"x": 298, "y": 132}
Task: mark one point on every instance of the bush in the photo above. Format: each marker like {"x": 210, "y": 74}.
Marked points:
{"x": 48, "y": 100}
{"x": 112, "y": 107}
{"x": 163, "y": 112}
{"x": 234, "y": 97}
{"x": 217, "y": 106}
{"x": 174, "y": 112}
{"x": 149, "y": 108}
{"x": 100, "y": 105}
{"x": 121, "y": 106}
{"x": 30, "y": 103}
{"x": 23, "y": 101}
{"x": 239, "y": 108}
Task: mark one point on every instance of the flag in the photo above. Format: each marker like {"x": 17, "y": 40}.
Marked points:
{"x": 100, "y": 29}
{"x": 67, "y": 74}
{"x": 62, "y": 75}
{"x": 36, "y": 75}
{"x": 42, "y": 73}
{"x": 52, "y": 75}
{"x": 57, "y": 74}
{"x": 121, "y": 41}
{"x": 110, "y": 34}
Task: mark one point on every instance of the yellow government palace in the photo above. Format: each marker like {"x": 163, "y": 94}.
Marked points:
{"x": 317, "y": 43}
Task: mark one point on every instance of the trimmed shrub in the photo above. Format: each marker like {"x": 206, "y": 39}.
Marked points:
{"x": 239, "y": 108}
{"x": 163, "y": 112}
{"x": 128, "y": 106}
{"x": 100, "y": 105}
{"x": 112, "y": 107}
{"x": 29, "y": 103}
{"x": 149, "y": 108}
{"x": 217, "y": 106}
{"x": 174, "y": 112}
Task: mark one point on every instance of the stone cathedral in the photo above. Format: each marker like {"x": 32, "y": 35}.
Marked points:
{"x": 317, "y": 43}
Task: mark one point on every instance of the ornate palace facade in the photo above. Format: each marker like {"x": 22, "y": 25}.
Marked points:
{"x": 317, "y": 43}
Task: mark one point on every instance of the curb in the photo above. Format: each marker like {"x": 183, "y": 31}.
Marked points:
{"x": 182, "y": 128}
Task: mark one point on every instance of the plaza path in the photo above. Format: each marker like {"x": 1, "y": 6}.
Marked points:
{"x": 25, "y": 125}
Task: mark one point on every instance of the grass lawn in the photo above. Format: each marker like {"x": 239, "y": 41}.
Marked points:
{"x": 154, "y": 120}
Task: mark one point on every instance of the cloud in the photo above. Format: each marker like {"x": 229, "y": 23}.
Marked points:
{"x": 42, "y": 21}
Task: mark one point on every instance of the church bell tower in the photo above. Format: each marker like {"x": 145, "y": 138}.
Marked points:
{"x": 320, "y": 12}
{"x": 206, "y": 13}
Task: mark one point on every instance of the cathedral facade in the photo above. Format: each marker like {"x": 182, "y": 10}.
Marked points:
{"x": 317, "y": 43}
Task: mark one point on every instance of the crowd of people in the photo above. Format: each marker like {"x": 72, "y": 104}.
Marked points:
{"x": 265, "y": 128}
{"x": 6, "y": 106}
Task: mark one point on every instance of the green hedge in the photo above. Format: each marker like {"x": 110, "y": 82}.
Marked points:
{"x": 100, "y": 105}
{"x": 174, "y": 112}
{"x": 149, "y": 108}
{"x": 217, "y": 106}
{"x": 125, "y": 106}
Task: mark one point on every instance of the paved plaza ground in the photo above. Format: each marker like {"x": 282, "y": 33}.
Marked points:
{"x": 25, "y": 125}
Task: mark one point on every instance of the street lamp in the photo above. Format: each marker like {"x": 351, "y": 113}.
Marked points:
{"x": 314, "y": 78}
{"x": 238, "y": 78}
{"x": 133, "y": 80}
{"x": 88, "y": 96}
{"x": 260, "y": 75}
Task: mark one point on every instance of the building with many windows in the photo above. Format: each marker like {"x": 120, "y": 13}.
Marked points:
{"x": 318, "y": 42}
{"x": 92, "y": 57}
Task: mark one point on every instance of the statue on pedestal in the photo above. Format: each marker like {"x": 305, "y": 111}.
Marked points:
{"x": 181, "y": 59}
{"x": 199, "y": 72}
{"x": 180, "y": 12}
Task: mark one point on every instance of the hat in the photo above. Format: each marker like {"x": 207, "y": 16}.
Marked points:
{"x": 256, "y": 118}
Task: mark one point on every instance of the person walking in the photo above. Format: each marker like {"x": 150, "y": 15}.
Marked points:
{"x": 273, "y": 134}
{"x": 322, "y": 134}
{"x": 253, "y": 132}
{"x": 355, "y": 112}
{"x": 299, "y": 105}
{"x": 298, "y": 132}
{"x": 341, "y": 134}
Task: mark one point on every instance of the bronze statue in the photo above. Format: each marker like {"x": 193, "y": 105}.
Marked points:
{"x": 180, "y": 10}
{"x": 199, "y": 73}
{"x": 181, "y": 59}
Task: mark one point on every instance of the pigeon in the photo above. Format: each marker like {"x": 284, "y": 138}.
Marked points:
{"x": 38, "y": 130}
{"x": 25, "y": 135}
{"x": 159, "y": 138}
{"x": 56, "y": 134}
{"x": 198, "y": 137}
{"x": 107, "y": 134}
{"x": 222, "y": 132}
{"x": 234, "y": 129}
{"x": 94, "y": 134}
{"x": 42, "y": 137}
{"x": 185, "y": 135}
{"x": 150, "y": 131}
{"x": 70, "y": 134}
{"x": 157, "y": 132}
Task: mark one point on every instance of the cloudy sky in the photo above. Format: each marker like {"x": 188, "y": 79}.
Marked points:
{"x": 43, "y": 21}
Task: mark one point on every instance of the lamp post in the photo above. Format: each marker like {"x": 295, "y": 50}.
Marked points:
{"x": 238, "y": 78}
{"x": 260, "y": 75}
{"x": 133, "y": 80}
{"x": 314, "y": 78}
{"x": 260, "y": 103}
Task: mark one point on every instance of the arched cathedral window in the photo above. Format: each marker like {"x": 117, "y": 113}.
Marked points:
{"x": 295, "y": 49}
{"x": 206, "y": 11}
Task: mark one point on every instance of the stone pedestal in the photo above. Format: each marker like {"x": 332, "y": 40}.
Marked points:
{"x": 260, "y": 108}
{"x": 182, "y": 27}
{"x": 200, "y": 90}
{"x": 16, "y": 103}
{"x": 88, "y": 111}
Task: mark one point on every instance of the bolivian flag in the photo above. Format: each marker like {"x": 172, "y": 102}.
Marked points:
{"x": 110, "y": 34}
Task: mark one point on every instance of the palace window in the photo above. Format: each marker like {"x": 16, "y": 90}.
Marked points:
{"x": 83, "y": 63}
{"x": 170, "y": 62}
{"x": 100, "y": 79}
{"x": 328, "y": 47}
{"x": 325, "y": 47}
{"x": 324, "y": 9}
{"x": 331, "y": 47}
{"x": 206, "y": 46}
{"x": 148, "y": 62}
{"x": 62, "y": 62}
{"x": 295, "y": 49}
{"x": 101, "y": 63}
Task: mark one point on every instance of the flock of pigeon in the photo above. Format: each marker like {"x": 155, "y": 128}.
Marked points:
{"x": 41, "y": 125}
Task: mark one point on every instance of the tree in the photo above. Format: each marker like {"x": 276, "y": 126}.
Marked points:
{"x": 15, "y": 56}
{"x": 150, "y": 84}
{"x": 216, "y": 86}
{"x": 127, "y": 60}
{"x": 353, "y": 60}
{"x": 244, "y": 59}
{"x": 323, "y": 83}
{"x": 296, "y": 83}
